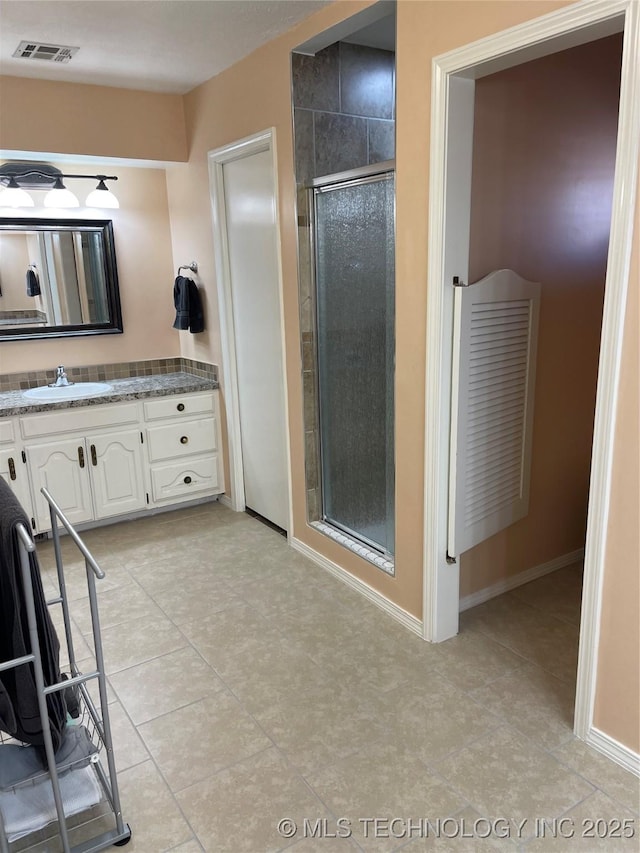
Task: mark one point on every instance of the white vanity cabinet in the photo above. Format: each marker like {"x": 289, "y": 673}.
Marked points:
{"x": 114, "y": 459}
{"x": 12, "y": 467}
{"x": 182, "y": 447}
{"x": 94, "y": 467}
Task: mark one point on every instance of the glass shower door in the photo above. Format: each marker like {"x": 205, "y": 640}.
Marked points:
{"x": 355, "y": 296}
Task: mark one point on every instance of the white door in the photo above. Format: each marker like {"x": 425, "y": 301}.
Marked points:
{"x": 61, "y": 467}
{"x": 494, "y": 368}
{"x": 251, "y": 231}
{"x": 14, "y": 471}
{"x": 117, "y": 476}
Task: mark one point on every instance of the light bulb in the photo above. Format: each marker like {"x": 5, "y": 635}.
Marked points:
{"x": 13, "y": 196}
{"x": 60, "y": 196}
{"x": 102, "y": 197}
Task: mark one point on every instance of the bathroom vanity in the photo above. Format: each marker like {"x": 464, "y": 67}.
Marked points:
{"x": 149, "y": 443}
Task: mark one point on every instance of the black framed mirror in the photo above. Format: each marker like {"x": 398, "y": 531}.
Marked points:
{"x": 58, "y": 277}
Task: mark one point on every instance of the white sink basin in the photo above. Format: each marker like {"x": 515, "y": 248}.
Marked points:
{"x": 67, "y": 392}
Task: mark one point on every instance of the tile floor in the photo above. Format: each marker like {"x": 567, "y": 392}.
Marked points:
{"x": 248, "y": 686}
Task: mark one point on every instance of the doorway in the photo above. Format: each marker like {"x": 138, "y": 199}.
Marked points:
{"x": 249, "y": 290}
{"x": 452, "y": 135}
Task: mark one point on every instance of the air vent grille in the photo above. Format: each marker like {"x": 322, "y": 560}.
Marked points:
{"x": 46, "y": 52}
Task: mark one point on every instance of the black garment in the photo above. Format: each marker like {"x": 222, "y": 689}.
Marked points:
{"x": 186, "y": 298}
{"x": 33, "y": 283}
{"x": 18, "y": 683}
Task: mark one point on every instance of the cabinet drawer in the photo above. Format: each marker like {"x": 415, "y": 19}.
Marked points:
{"x": 85, "y": 418}
{"x": 181, "y": 439}
{"x": 185, "y": 405}
{"x": 182, "y": 479}
{"x": 6, "y": 431}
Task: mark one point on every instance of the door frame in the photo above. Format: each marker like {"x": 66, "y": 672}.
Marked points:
{"x": 452, "y": 82}
{"x": 255, "y": 144}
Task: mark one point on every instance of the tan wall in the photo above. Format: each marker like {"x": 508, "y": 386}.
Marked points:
{"x": 145, "y": 271}
{"x": 14, "y": 262}
{"x": 543, "y": 164}
{"x": 72, "y": 118}
{"x": 617, "y": 710}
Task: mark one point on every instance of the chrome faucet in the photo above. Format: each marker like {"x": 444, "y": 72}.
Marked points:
{"x": 61, "y": 378}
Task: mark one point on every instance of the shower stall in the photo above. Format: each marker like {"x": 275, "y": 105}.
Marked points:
{"x": 354, "y": 251}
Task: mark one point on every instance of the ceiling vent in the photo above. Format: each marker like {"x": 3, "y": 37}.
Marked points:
{"x": 48, "y": 52}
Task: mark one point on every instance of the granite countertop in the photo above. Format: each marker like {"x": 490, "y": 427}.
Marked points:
{"x": 136, "y": 388}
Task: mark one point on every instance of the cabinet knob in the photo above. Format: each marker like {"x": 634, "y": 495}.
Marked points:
{"x": 81, "y": 456}
{"x": 184, "y": 439}
{"x": 180, "y": 407}
{"x": 12, "y": 468}
{"x": 187, "y": 480}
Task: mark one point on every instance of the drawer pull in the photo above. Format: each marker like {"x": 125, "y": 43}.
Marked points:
{"x": 187, "y": 480}
{"x": 180, "y": 407}
{"x": 12, "y": 468}
{"x": 81, "y": 456}
{"x": 184, "y": 439}
{"x": 94, "y": 456}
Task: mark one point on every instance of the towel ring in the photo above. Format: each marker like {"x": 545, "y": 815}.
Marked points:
{"x": 193, "y": 266}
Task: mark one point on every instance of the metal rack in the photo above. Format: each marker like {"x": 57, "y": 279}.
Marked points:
{"x": 93, "y": 722}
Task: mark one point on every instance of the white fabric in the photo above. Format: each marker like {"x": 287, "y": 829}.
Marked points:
{"x": 31, "y": 808}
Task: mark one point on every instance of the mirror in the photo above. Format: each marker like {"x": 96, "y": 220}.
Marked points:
{"x": 58, "y": 277}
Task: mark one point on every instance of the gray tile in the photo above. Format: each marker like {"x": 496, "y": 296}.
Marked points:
{"x": 382, "y": 140}
{"x": 340, "y": 143}
{"x": 367, "y": 81}
{"x": 316, "y": 83}
{"x": 303, "y": 143}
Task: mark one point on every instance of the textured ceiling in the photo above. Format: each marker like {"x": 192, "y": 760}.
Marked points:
{"x": 154, "y": 45}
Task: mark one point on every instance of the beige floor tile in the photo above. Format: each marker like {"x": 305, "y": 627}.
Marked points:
{"x": 196, "y": 741}
{"x": 192, "y": 601}
{"x": 164, "y": 684}
{"x": 534, "y": 702}
{"x": 128, "y": 747}
{"x": 261, "y": 680}
{"x": 504, "y": 775}
{"x": 597, "y": 823}
{"x": 279, "y": 596}
{"x": 471, "y": 660}
{"x": 529, "y": 632}
{"x": 195, "y": 567}
{"x": 136, "y": 553}
{"x": 614, "y": 780}
{"x": 558, "y": 593}
{"x": 238, "y": 809}
{"x": 226, "y": 633}
{"x": 190, "y": 847}
{"x": 140, "y": 640}
{"x": 435, "y": 721}
{"x": 320, "y": 726}
{"x": 150, "y": 810}
{"x": 116, "y": 606}
{"x": 324, "y": 843}
{"x": 382, "y": 781}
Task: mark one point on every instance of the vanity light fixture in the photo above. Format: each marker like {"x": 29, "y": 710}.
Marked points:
{"x": 13, "y": 196}
{"x": 17, "y": 177}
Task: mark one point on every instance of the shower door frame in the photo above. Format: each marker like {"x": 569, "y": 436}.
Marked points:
{"x": 351, "y": 177}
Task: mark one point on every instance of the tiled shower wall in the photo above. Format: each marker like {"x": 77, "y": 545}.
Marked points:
{"x": 344, "y": 118}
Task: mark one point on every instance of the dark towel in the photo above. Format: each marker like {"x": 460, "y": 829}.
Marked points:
{"x": 19, "y": 682}
{"x": 33, "y": 283}
{"x": 186, "y": 298}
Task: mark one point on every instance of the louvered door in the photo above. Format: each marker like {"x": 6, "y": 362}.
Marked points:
{"x": 494, "y": 359}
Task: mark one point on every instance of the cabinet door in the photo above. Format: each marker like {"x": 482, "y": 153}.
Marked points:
{"x": 14, "y": 471}
{"x": 117, "y": 474}
{"x": 60, "y": 466}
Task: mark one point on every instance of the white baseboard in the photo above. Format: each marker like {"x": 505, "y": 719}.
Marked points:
{"x": 225, "y": 500}
{"x": 521, "y": 578}
{"x": 614, "y": 750}
{"x": 411, "y": 622}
